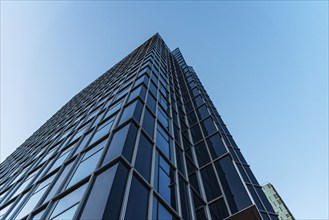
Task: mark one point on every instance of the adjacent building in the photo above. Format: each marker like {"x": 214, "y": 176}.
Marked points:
{"x": 277, "y": 203}
{"x": 143, "y": 141}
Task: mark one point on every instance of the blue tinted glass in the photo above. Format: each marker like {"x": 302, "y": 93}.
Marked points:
{"x": 31, "y": 203}
{"x": 236, "y": 194}
{"x": 210, "y": 183}
{"x": 144, "y": 157}
{"x": 208, "y": 126}
{"x": 69, "y": 200}
{"x": 102, "y": 130}
{"x": 137, "y": 201}
{"x": 216, "y": 146}
{"x": 218, "y": 209}
{"x": 148, "y": 123}
{"x": 85, "y": 168}
{"x": 163, "y": 142}
{"x": 67, "y": 214}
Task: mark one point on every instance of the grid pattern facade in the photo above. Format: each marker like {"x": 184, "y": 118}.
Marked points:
{"x": 277, "y": 203}
{"x": 143, "y": 141}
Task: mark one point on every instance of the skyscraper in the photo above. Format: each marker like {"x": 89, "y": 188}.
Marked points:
{"x": 277, "y": 203}
{"x": 143, "y": 141}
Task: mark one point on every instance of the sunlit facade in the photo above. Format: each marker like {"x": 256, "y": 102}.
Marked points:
{"x": 143, "y": 141}
{"x": 277, "y": 203}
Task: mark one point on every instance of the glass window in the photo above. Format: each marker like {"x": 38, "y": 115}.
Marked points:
{"x": 58, "y": 182}
{"x": 210, "y": 183}
{"x": 60, "y": 160}
{"x": 236, "y": 194}
{"x": 122, "y": 93}
{"x": 251, "y": 175}
{"x": 162, "y": 141}
{"x": 87, "y": 164}
{"x": 264, "y": 199}
{"x": 208, "y": 126}
{"x": 153, "y": 89}
{"x": 184, "y": 197}
{"x": 22, "y": 187}
{"x": 82, "y": 144}
{"x": 202, "y": 154}
{"x": 113, "y": 108}
{"x": 151, "y": 103}
{"x": 140, "y": 91}
{"x": 20, "y": 200}
{"x": 180, "y": 161}
{"x": 165, "y": 181}
{"x": 137, "y": 201}
{"x": 192, "y": 118}
{"x": 144, "y": 157}
{"x": 202, "y": 112}
{"x": 102, "y": 202}
{"x": 197, "y": 101}
{"x": 133, "y": 110}
{"x": 196, "y": 133}
{"x": 164, "y": 103}
{"x": 102, "y": 130}
{"x": 35, "y": 197}
{"x": 201, "y": 215}
{"x": 79, "y": 133}
{"x": 4, "y": 210}
{"x": 160, "y": 212}
{"x": 122, "y": 142}
{"x": 31, "y": 203}
{"x": 218, "y": 209}
{"x": 216, "y": 146}
{"x": 67, "y": 214}
{"x": 67, "y": 202}
{"x": 255, "y": 197}
{"x": 195, "y": 92}
{"x": 148, "y": 123}
{"x": 163, "y": 117}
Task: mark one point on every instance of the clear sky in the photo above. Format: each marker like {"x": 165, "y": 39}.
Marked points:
{"x": 264, "y": 64}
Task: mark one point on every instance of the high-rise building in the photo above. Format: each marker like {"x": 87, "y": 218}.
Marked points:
{"x": 143, "y": 141}
{"x": 277, "y": 203}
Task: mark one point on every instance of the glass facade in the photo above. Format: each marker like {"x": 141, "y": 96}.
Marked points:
{"x": 277, "y": 203}
{"x": 143, "y": 141}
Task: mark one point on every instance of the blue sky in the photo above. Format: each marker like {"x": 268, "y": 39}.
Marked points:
{"x": 264, "y": 64}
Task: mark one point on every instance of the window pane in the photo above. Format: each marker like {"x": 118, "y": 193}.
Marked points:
{"x": 236, "y": 194}
{"x": 102, "y": 130}
{"x": 165, "y": 182}
{"x": 31, "y": 203}
{"x": 68, "y": 201}
{"x": 160, "y": 212}
{"x": 133, "y": 110}
{"x": 210, "y": 183}
{"x": 216, "y": 146}
{"x": 162, "y": 141}
{"x": 202, "y": 112}
{"x": 67, "y": 214}
{"x": 218, "y": 209}
{"x": 162, "y": 116}
{"x": 144, "y": 157}
{"x": 122, "y": 143}
{"x": 208, "y": 126}
{"x": 96, "y": 203}
{"x": 58, "y": 182}
{"x": 196, "y": 133}
{"x": 202, "y": 154}
{"x": 137, "y": 201}
{"x": 151, "y": 103}
{"x": 85, "y": 168}
{"x": 113, "y": 108}
{"x": 148, "y": 123}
